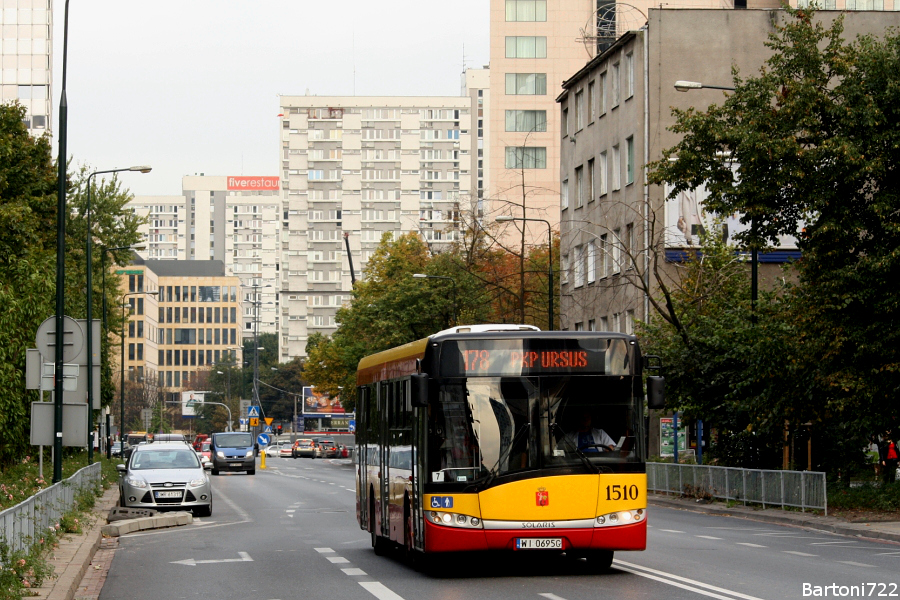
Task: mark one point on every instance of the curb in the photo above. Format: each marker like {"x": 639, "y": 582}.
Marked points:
{"x": 124, "y": 526}
{"x": 816, "y": 523}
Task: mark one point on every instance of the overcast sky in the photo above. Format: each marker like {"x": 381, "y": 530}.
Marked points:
{"x": 192, "y": 86}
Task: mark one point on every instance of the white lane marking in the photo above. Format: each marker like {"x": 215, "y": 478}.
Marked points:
{"x": 671, "y": 531}
{"x": 855, "y": 564}
{"x": 707, "y": 537}
{"x": 323, "y": 550}
{"x": 245, "y": 516}
{"x": 337, "y": 559}
{"x": 795, "y": 553}
{"x": 379, "y": 590}
{"x": 877, "y": 554}
{"x": 290, "y": 510}
{"x": 244, "y": 557}
{"x": 828, "y": 543}
{"x": 653, "y": 574}
{"x": 353, "y": 571}
{"x": 551, "y": 596}
{"x": 750, "y": 545}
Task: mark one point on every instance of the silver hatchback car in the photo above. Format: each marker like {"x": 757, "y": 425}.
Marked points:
{"x": 165, "y": 476}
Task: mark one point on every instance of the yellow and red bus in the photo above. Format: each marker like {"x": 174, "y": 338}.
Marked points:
{"x": 505, "y": 438}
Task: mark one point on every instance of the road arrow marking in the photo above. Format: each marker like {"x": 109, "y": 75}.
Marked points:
{"x": 244, "y": 557}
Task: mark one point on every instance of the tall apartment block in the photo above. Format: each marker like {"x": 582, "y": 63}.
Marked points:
{"x": 26, "y": 56}
{"x": 233, "y": 219}
{"x": 535, "y": 46}
{"x": 362, "y": 167}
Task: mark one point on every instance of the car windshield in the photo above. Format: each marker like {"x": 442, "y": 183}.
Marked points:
{"x": 490, "y": 426}
{"x": 204, "y": 447}
{"x": 304, "y": 442}
{"x": 164, "y": 459}
{"x": 234, "y": 440}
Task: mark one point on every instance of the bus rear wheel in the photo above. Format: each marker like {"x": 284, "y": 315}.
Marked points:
{"x": 379, "y": 544}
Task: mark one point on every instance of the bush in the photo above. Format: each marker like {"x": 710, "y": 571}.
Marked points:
{"x": 865, "y": 496}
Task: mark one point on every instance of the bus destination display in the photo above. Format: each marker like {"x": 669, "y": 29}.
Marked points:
{"x": 507, "y": 358}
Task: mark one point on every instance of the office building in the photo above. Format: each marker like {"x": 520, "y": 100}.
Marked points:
{"x": 26, "y": 59}
{"x": 353, "y": 170}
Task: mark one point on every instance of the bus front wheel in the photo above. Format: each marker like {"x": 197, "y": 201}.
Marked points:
{"x": 599, "y": 561}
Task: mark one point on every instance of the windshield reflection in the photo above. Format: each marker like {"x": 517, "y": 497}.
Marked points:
{"x": 489, "y": 426}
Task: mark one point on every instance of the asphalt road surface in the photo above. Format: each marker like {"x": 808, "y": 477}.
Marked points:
{"x": 290, "y": 532}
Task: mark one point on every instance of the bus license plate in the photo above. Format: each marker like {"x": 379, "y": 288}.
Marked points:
{"x": 168, "y": 494}
{"x": 538, "y": 543}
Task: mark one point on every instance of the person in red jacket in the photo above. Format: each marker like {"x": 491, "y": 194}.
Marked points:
{"x": 890, "y": 456}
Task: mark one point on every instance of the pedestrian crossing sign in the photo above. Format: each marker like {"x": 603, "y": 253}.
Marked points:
{"x": 253, "y": 411}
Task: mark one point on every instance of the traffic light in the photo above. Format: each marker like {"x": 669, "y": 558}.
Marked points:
{"x": 279, "y": 430}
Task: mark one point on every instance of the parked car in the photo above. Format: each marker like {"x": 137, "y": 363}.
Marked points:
{"x": 304, "y": 448}
{"x": 117, "y": 448}
{"x": 165, "y": 476}
{"x": 329, "y": 448}
{"x": 273, "y": 450}
{"x": 233, "y": 451}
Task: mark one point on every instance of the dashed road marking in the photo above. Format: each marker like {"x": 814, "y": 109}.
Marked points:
{"x": 855, "y": 564}
{"x": 353, "y": 571}
{"x": 750, "y": 545}
{"x": 795, "y": 553}
{"x": 337, "y": 559}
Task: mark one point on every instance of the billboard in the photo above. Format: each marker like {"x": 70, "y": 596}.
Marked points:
{"x": 189, "y": 400}
{"x": 252, "y": 183}
{"x": 687, "y": 219}
{"x": 315, "y": 403}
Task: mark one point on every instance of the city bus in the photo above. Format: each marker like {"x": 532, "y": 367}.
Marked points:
{"x": 486, "y": 438}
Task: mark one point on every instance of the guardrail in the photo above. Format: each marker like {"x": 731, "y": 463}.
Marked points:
{"x": 800, "y": 489}
{"x": 20, "y": 524}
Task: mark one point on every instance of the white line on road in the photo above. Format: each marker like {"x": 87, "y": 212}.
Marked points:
{"x": 379, "y": 590}
{"x": 671, "y": 531}
{"x": 750, "y": 545}
{"x": 353, "y": 571}
{"x": 828, "y": 543}
{"x": 337, "y": 560}
{"x": 855, "y": 564}
{"x": 653, "y": 574}
{"x": 551, "y": 596}
{"x": 244, "y": 557}
{"x": 323, "y": 550}
{"x": 795, "y": 553}
{"x": 707, "y": 537}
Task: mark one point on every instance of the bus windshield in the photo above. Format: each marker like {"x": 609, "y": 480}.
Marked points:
{"x": 484, "y": 427}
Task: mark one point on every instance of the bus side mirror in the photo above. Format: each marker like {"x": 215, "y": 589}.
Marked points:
{"x": 419, "y": 389}
{"x": 656, "y": 392}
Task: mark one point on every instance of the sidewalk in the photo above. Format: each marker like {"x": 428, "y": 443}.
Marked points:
{"x": 878, "y": 530}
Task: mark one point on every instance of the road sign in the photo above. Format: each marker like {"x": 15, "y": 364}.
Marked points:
{"x": 268, "y": 420}
{"x": 351, "y": 426}
{"x": 73, "y": 339}
{"x": 243, "y": 421}
{"x": 254, "y": 422}
{"x": 262, "y": 439}
{"x": 268, "y": 429}
{"x": 253, "y": 411}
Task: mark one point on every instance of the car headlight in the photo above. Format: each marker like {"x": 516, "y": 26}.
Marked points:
{"x": 135, "y": 482}
{"x": 197, "y": 482}
{"x": 622, "y": 517}
{"x": 220, "y": 454}
{"x": 249, "y": 453}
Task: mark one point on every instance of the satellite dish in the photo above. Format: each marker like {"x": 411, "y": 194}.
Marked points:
{"x": 608, "y": 23}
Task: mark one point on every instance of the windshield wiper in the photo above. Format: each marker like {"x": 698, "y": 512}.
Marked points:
{"x": 492, "y": 472}
{"x": 587, "y": 462}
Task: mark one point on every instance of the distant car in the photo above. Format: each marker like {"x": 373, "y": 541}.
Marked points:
{"x": 169, "y": 437}
{"x": 273, "y": 450}
{"x": 287, "y": 450}
{"x": 205, "y": 452}
{"x": 233, "y": 451}
{"x": 329, "y": 448}
{"x": 165, "y": 476}
{"x": 304, "y": 448}
{"x": 117, "y": 448}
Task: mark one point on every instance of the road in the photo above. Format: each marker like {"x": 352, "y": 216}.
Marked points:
{"x": 290, "y": 532}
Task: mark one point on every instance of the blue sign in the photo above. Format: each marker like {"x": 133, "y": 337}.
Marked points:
{"x": 253, "y": 411}
{"x": 351, "y": 426}
{"x": 442, "y": 502}
{"x": 262, "y": 439}
{"x": 268, "y": 429}
{"x": 244, "y": 420}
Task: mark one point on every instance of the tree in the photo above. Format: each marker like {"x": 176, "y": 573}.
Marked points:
{"x": 809, "y": 147}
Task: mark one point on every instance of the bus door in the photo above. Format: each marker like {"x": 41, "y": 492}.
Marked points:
{"x": 384, "y": 449}
{"x": 419, "y": 423}
{"x": 363, "y": 411}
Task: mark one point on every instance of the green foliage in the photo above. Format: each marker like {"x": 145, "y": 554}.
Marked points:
{"x": 868, "y": 496}
{"x": 809, "y": 145}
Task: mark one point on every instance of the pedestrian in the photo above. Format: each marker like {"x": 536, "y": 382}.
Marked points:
{"x": 889, "y": 460}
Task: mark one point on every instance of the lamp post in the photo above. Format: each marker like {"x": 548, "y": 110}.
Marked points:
{"x": 90, "y": 304}
{"x": 122, "y": 365}
{"x": 507, "y": 219}
{"x": 686, "y": 86}
{"x": 451, "y": 280}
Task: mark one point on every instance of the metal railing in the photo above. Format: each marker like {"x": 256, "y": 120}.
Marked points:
{"x": 801, "y": 489}
{"x": 21, "y": 524}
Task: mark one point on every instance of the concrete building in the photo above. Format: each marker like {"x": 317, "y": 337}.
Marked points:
{"x": 26, "y": 59}
{"x": 232, "y": 219}
{"x": 477, "y": 86}
{"x": 353, "y": 170}
{"x": 616, "y": 112}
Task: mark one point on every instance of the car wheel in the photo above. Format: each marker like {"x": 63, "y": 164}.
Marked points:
{"x": 251, "y": 472}
{"x": 204, "y": 511}
{"x": 214, "y": 471}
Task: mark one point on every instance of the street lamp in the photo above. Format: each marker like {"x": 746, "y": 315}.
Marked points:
{"x": 122, "y": 365}
{"x": 509, "y": 218}
{"x": 686, "y": 86}
{"x": 90, "y": 305}
{"x": 451, "y": 280}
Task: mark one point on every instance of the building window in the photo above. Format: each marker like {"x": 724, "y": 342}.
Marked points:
{"x": 592, "y": 112}
{"x": 628, "y": 245}
{"x": 526, "y": 120}
{"x": 629, "y": 322}
{"x": 578, "y": 266}
{"x": 615, "y": 85}
{"x": 601, "y": 101}
{"x": 579, "y": 110}
{"x": 617, "y": 252}
{"x": 616, "y": 168}
{"x": 526, "y": 84}
{"x": 526, "y": 157}
{"x": 592, "y": 325}
{"x": 579, "y": 187}
{"x": 590, "y": 181}
{"x": 526, "y": 10}
{"x": 629, "y": 75}
{"x": 564, "y": 194}
{"x": 591, "y": 263}
{"x": 526, "y": 46}
{"x": 602, "y": 174}
{"x": 564, "y": 269}
{"x": 604, "y": 256}
{"x": 565, "y": 122}
{"x": 629, "y": 160}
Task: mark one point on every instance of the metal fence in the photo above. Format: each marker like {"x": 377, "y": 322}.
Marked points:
{"x": 21, "y": 524}
{"x": 801, "y": 489}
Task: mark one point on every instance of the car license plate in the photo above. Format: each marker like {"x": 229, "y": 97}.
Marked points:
{"x": 235, "y": 465}
{"x": 538, "y": 543}
{"x": 168, "y": 494}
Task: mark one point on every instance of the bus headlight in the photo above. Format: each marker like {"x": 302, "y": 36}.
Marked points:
{"x": 622, "y": 517}
{"x": 454, "y": 520}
